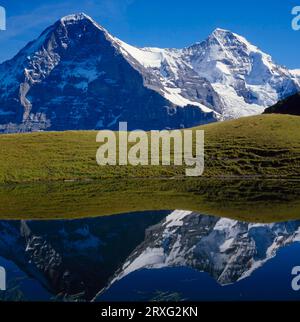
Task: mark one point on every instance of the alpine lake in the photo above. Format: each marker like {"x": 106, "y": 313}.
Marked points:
{"x": 151, "y": 240}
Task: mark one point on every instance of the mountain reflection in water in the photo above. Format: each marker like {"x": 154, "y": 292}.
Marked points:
{"x": 91, "y": 259}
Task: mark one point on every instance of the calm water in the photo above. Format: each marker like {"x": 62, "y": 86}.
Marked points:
{"x": 158, "y": 255}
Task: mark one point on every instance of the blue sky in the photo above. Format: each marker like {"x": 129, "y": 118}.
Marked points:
{"x": 163, "y": 23}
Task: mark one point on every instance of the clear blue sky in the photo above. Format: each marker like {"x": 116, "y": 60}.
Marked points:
{"x": 163, "y": 23}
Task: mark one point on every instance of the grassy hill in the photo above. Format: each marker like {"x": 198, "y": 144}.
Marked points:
{"x": 265, "y": 145}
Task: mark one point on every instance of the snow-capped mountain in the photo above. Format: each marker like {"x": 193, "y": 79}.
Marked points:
{"x": 228, "y": 250}
{"x": 246, "y": 78}
{"x": 296, "y": 75}
{"x": 75, "y": 76}
{"x": 78, "y": 76}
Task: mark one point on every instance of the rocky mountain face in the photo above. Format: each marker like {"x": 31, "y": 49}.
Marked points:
{"x": 245, "y": 78}
{"x": 74, "y": 76}
{"x": 228, "y": 250}
{"x": 290, "y": 105}
{"x": 78, "y": 76}
{"x": 296, "y": 75}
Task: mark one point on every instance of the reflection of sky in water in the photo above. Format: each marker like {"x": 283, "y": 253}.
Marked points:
{"x": 20, "y": 287}
{"x": 149, "y": 255}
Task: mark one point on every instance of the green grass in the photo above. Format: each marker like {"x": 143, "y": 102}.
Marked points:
{"x": 256, "y": 146}
{"x": 264, "y": 146}
{"x": 252, "y": 168}
{"x": 246, "y": 200}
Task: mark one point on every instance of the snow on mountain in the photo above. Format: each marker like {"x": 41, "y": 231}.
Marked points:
{"x": 295, "y": 72}
{"x": 296, "y": 75}
{"x": 74, "y": 76}
{"x": 78, "y": 76}
{"x": 171, "y": 76}
{"x": 246, "y": 78}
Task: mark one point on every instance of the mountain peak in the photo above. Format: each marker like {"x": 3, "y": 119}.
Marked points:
{"x": 220, "y": 34}
{"x": 221, "y": 31}
{"x": 80, "y": 17}
{"x": 83, "y": 67}
{"x": 228, "y": 39}
{"x": 80, "y": 22}
{"x": 76, "y": 17}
